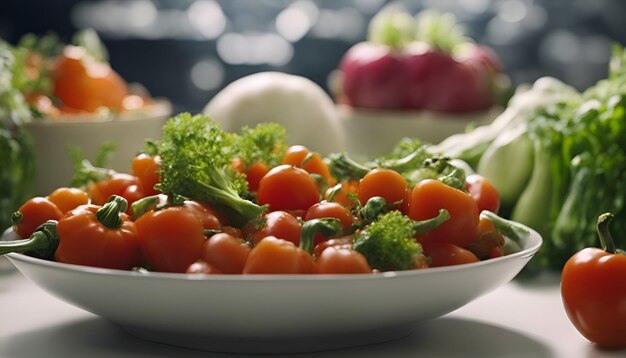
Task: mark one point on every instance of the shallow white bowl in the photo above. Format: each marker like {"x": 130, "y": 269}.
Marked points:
{"x": 370, "y": 133}
{"x": 273, "y": 313}
{"x": 53, "y": 138}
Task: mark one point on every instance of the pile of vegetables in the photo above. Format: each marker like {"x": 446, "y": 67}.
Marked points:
{"x": 65, "y": 80}
{"x": 557, "y": 158}
{"x": 421, "y": 63}
{"x": 203, "y": 200}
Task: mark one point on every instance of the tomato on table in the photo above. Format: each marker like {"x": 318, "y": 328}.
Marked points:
{"x": 593, "y": 289}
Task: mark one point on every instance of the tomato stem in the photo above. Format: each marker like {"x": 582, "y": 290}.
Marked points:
{"x": 325, "y": 226}
{"x": 42, "y": 243}
{"x": 109, "y": 214}
{"x": 429, "y": 224}
{"x": 606, "y": 239}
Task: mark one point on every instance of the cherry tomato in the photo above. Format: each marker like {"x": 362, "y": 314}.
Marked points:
{"x": 146, "y": 168}
{"x": 301, "y": 157}
{"x": 100, "y": 236}
{"x": 254, "y": 174}
{"x": 33, "y": 213}
{"x": 226, "y": 253}
{"x": 386, "y": 183}
{"x": 447, "y": 254}
{"x": 490, "y": 242}
{"x": 101, "y": 191}
{"x": 340, "y": 242}
{"x": 275, "y": 256}
{"x": 429, "y": 196}
{"x": 593, "y": 290}
{"x": 328, "y": 209}
{"x": 205, "y": 214}
{"x": 342, "y": 196}
{"x": 201, "y": 267}
{"x": 171, "y": 239}
{"x": 342, "y": 260}
{"x": 287, "y": 187}
{"x": 67, "y": 199}
{"x": 483, "y": 191}
{"x": 279, "y": 224}
{"x": 84, "y": 84}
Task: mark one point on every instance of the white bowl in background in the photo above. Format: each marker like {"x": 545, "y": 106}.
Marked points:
{"x": 53, "y": 139}
{"x": 273, "y": 313}
{"x": 370, "y": 133}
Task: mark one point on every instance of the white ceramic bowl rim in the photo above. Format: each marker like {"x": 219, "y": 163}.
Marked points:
{"x": 532, "y": 244}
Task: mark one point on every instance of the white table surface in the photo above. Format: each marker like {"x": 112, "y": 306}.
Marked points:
{"x": 520, "y": 319}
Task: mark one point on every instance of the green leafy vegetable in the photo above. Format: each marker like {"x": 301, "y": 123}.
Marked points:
{"x": 558, "y": 158}
{"x": 195, "y": 162}
{"x": 17, "y": 153}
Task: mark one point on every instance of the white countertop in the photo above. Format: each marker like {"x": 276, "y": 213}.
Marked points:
{"x": 520, "y": 319}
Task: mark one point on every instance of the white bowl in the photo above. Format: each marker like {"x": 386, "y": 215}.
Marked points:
{"x": 382, "y": 130}
{"x": 53, "y": 138}
{"x": 273, "y": 313}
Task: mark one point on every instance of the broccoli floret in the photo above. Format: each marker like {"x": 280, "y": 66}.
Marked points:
{"x": 264, "y": 143}
{"x": 195, "y": 162}
{"x": 389, "y": 243}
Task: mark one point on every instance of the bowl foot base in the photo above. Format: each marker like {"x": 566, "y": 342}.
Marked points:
{"x": 273, "y": 345}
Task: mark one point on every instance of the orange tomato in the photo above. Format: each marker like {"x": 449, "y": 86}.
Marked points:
{"x": 226, "y": 253}
{"x": 287, "y": 187}
{"x": 84, "y": 84}
{"x": 275, "y": 256}
{"x": 386, "y": 183}
{"x": 67, "y": 199}
{"x": 301, "y": 157}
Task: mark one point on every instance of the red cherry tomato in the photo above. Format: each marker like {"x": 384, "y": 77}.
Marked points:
{"x": 447, "y": 254}
{"x": 279, "y": 224}
{"x": 276, "y": 256}
{"x": 342, "y": 260}
{"x": 146, "y": 168}
{"x": 385, "y": 183}
{"x": 301, "y": 157}
{"x": 226, "y": 253}
{"x": 33, "y": 213}
{"x": 483, "y": 191}
{"x": 67, "y": 199}
{"x": 287, "y": 187}
{"x": 329, "y": 209}
{"x": 429, "y": 196}
{"x": 171, "y": 239}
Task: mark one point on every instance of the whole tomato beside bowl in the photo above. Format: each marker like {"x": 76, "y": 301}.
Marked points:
{"x": 417, "y": 76}
{"x": 593, "y": 289}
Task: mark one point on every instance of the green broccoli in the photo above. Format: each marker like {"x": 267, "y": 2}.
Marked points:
{"x": 196, "y": 163}
{"x": 389, "y": 243}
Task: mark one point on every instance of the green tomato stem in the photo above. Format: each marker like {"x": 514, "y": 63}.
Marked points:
{"x": 42, "y": 243}
{"x": 109, "y": 214}
{"x": 325, "y": 226}
{"x": 606, "y": 239}
{"x": 429, "y": 224}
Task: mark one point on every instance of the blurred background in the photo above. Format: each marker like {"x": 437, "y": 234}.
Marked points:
{"x": 187, "y": 50}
